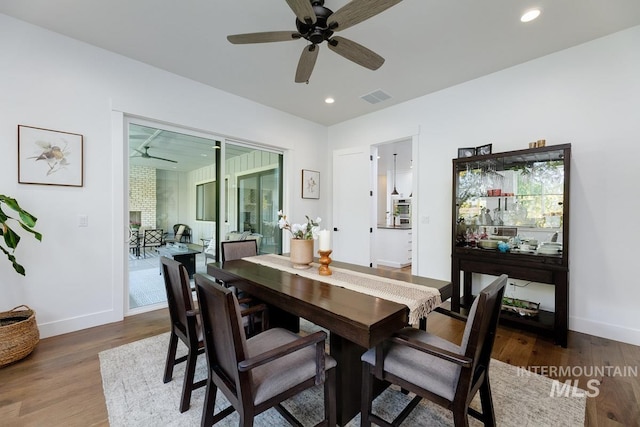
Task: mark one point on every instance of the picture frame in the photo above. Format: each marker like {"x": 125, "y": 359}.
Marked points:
{"x": 50, "y": 157}
{"x": 310, "y": 184}
{"x": 483, "y": 150}
{"x": 466, "y": 152}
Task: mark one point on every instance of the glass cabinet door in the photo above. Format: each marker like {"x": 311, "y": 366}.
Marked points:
{"x": 516, "y": 197}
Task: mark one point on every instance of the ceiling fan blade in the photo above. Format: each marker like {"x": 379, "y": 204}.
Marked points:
{"x": 303, "y": 10}
{"x": 356, "y": 52}
{"x": 306, "y": 63}
{"x": 357, "y": 11}
{"x": 266, "y": 37}
{"x": 162, "y": 158}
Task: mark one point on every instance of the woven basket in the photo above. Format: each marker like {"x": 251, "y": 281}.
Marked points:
{"x": 18, "y": 339}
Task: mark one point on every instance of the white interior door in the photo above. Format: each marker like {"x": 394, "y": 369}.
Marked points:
{"x": 352, "y": 206}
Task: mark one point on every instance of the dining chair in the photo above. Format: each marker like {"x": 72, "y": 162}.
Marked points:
{"x": 437, "y": 369}
{"x": 152, "y": 238}
{"x": 258, "y": 373}
{"x": 185, "y": 326}
{"x": 236, "y": 249}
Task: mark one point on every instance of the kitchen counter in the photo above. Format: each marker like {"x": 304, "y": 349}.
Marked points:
{"x": 397, "y": 227}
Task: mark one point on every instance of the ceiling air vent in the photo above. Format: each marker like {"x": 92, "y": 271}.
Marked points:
{"x": 376, "y": 96}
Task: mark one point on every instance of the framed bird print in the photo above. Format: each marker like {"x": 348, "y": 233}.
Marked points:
{"x": 49, "y": 157}
{"x": 310, "y": 184}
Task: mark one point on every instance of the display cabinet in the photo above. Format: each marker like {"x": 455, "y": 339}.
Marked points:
{"x": 511, "y": 216}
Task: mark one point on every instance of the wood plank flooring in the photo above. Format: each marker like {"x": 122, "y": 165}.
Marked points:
{"x": 59, "y": 384}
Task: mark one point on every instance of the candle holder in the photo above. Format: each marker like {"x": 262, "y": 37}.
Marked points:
{"x": 325, "y": 260}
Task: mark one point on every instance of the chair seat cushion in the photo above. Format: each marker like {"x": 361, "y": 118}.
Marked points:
{"x": 285, "y": 372}
{"x": 424, "y": 370}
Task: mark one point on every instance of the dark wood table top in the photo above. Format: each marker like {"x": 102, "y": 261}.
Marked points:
{"x": 360, "y": 318}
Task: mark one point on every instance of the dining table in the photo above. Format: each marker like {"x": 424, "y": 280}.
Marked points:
{"x": 356, "y": 321}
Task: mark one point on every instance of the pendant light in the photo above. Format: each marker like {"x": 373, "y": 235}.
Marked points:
{"x": 394, "y": 192}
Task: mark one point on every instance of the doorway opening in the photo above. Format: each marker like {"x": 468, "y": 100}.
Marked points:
{"x": 179, "y": 185}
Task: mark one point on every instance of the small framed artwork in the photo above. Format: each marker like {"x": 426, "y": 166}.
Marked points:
{"x": 49, "y": 157}
{"x": 466, "y": 152}
{"x": 310, "y": 184}
{"x": 483, "y": 149}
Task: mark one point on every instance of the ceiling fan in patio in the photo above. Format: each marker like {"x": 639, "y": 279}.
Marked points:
{"x": 316, "y": 23}
{"x": 145, "y": 155}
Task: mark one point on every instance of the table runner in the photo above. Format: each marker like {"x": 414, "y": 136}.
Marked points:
{"x": 420, "y": 299}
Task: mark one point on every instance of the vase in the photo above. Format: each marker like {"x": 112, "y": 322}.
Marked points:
{"x": 301, "y": 253}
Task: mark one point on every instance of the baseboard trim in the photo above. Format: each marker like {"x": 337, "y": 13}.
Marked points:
{"x": 77, "y": 323}
{"x": 605, "y": 330}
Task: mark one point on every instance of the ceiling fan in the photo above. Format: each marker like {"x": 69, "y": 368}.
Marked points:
{"x": 316, "y": 24}
{"x": 145, "y": 155}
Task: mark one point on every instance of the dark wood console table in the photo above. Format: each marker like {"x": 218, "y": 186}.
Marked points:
{"x": 536, "y": 268}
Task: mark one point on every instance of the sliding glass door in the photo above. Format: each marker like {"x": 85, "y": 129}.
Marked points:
{"x": 256, "y": 196}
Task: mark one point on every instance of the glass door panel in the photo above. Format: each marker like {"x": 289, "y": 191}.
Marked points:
{"x": 259, "y": 201}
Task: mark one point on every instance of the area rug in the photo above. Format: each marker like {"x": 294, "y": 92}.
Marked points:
{"x": 136, "y": 396}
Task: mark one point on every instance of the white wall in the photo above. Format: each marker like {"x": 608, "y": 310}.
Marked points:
{"x": 74, "y": 276}
{"x": 589, "y": 96}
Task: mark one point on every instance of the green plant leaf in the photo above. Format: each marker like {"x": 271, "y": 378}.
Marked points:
{"x": 11, "y": 239}
{"x": 17, "y": 267}
{"x": 28, "y": 219}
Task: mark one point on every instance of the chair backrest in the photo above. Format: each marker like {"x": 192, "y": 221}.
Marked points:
{"x": 179, "y": 296}
{"x": 134, "y": 238}
{"x": 236, "y": 249}
{"x": 153, "y": 237}
{"x": 179, "y": 232}
{"x": 223, "y": 333}
{"x": 185, "y": 232}
{"x": 482, "y": 322}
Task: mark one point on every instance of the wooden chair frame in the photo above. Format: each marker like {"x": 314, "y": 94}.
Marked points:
{"x": 184, "y": 326}
{"x": 474, "y": 364}
{"x": 230, "y": 369}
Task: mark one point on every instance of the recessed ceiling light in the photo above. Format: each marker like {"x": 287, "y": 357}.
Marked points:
{"x": 530, "y": 15}
{"x": 329, "y": 100}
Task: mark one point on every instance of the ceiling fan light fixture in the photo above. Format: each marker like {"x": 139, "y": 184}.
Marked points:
{"x": 530, "y": 15}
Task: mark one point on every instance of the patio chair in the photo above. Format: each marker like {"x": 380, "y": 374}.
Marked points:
{"x": 152, "y": 238}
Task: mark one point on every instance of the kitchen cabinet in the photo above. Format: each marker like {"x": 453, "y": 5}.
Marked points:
{"x": 393, "y": 246}
{"x": 520, "y": 201}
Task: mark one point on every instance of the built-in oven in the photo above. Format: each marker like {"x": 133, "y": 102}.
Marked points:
{"x": 402, "y": 210}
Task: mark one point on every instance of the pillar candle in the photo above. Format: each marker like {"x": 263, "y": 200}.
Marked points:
{"x": 325, "y": 240}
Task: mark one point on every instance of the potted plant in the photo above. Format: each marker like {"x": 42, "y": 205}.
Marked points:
{"x": 11, "y": 238}
{"x": 302, "y": 240}
{"x": 18, "y": 328}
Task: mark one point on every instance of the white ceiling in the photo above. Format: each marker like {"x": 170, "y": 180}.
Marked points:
{"x": 428, "y": 44}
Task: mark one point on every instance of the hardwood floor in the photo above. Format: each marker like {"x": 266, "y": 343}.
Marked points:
{"x": 59, "y": 384}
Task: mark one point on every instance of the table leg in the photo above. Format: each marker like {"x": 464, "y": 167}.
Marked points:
{"x": 349, "y": 377}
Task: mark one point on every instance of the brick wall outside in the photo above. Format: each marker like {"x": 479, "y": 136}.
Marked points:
{"x": 142, "y": 193}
